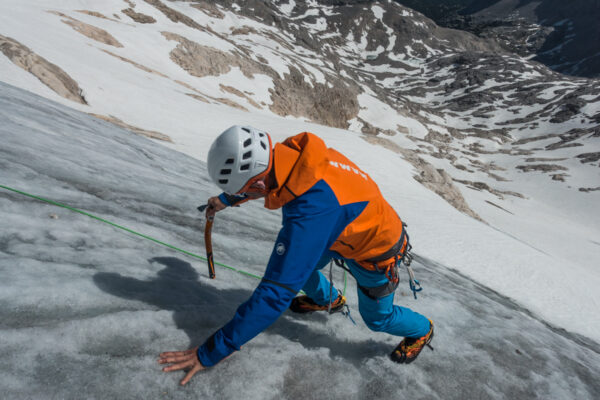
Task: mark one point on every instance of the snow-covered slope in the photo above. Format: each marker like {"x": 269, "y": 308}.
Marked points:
{"x": 86, "y": 307}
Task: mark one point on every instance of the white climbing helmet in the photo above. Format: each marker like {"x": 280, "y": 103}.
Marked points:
{"x": 237, "y": 155}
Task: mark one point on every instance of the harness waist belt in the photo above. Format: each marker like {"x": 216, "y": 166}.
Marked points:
{"x": 398, "y": 248}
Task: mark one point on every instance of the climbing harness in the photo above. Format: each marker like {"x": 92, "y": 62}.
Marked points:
{"x": 389, "y": 264}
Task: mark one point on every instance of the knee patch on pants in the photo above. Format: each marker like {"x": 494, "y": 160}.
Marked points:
{"x": 379, "y": 291}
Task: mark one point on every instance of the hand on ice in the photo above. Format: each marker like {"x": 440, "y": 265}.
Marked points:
{"x": 179, "y": 360}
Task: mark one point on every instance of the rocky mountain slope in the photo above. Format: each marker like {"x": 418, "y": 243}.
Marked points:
{"x": 472, "y": 99}
{"x": 453, "y": 104}
{"x": 562, "y": 35}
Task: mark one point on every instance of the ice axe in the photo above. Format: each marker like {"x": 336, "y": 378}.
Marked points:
{"x": 208, "y": 242}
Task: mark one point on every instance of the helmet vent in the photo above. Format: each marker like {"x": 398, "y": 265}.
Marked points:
{"x": 247, "y": 142}
{"x": 223, "y": 181}
{"x": 263, "y": 145}
{"x": 261, "y": 134}
{"x": 245, "y": 167}
{"x": 246, "y": 129}
{"x": 247, "y": 155}
{"x": 225, "y": 171}
{"x": 229, "y": 161}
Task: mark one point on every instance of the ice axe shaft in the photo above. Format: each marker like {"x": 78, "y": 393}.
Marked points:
{"x": 208, "y": 242}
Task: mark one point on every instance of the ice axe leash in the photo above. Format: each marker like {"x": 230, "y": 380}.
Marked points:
{"x": 208, "y": 242}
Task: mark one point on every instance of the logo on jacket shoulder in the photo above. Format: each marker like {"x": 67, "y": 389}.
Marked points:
{"x": 280, "y": 248}
{"x": 348, "y": 168}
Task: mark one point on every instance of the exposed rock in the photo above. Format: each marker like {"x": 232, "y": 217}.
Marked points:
{"x": 279, "y": 40}
{"x": 94, "y": 14}
{"x": 402, "y": 129}
{"x": 367, "y": 128}
{"x": 527, "y": 95}
{"x": 175, "y": 16}
{"x": 49, "y": 74}
{"x": 189, "y": 87}
{"x": 209, "y": 8}
{"x": 198, "y": 97}
{"x": 231, "y": 103}
{"x": 484, "y": 186}
{"x": 220, "y": 100}
{"x": 484, "y": 112}
{"x": 516, "y": 152}
{"x": 478, "y": 148}
{"x": 244, "y": 30}
{"x": 455, "y": 133}
{"x": 143, "y": 68}
{"x": 331, "y": 106}
{"x": 92, "y": 32}
{"x": 262, "y": 60}
{"x": 543, "y": 159}
{"x": 134, "y": 129}
{"x": 462, "y": 167}
{"x": 567, "y": 138}
{"x": 559, "y": 177}
{"x": 486, "y": 166}
{"x": 232, "y": 90}
{"x": 570, "y": 106}
{"x": 238, "y": 93}
{"x": 437, "y": 137}
{"x": 535, "y": 139}
{"x": 291, "y": 95}
{"x": 473, "y": 100}
{"x": 436, "y": 180}
{"x": 542, "y": 167}
{"x": 202, "y": 61}
{"x": 138, "y": 17}
{"x": 587, "y": 190}
{"x": 562, "y": 145}
{"x": 589, "y": 157}
{"x": 440, "y": 182}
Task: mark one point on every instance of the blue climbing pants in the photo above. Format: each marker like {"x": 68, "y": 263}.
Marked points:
{"x": 381, "y": 314}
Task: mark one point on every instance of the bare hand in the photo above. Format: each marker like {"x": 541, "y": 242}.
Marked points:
{"x": 179, "y": 360}
{"x": 214, "y": 204}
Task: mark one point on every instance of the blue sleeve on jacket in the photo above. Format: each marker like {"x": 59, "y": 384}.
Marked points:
{"x": 311, "y": 223}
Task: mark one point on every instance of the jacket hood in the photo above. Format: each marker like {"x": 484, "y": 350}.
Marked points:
{"x": 299, "y": 162}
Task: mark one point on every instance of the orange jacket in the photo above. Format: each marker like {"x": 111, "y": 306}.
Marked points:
{"x": 303, "y": 160}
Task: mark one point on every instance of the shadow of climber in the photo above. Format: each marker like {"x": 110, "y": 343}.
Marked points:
{"x": 199, "y": 309}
